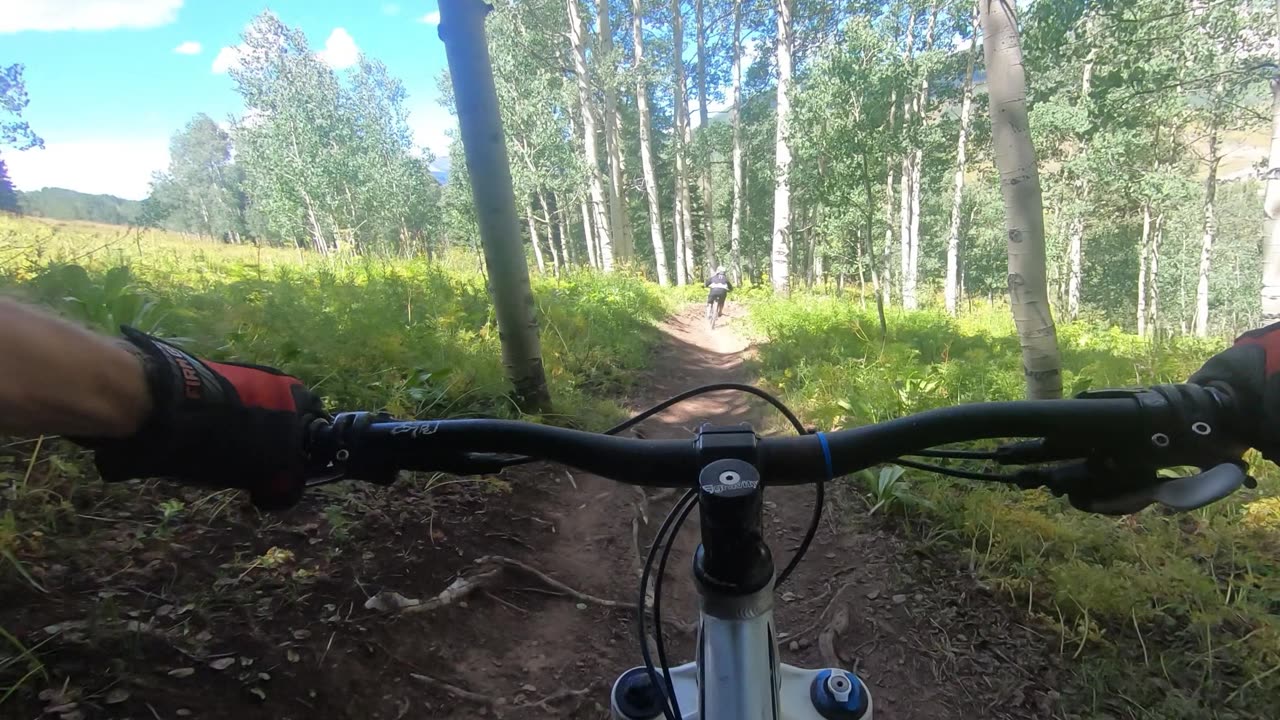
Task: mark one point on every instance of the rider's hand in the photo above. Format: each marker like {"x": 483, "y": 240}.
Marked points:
{"x": 217, "y": 424}
{"x": 1251, "y": 369}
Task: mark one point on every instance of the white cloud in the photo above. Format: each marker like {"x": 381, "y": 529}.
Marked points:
{"x": 431, "y": 18}
{"x": 340, "y": 50}
{"x": 391, "y": 9}
{"x": 228, "y": 58}
{"x": 50, "y": 15}
{"x": 431, "y": 124}
{"x": 120, "y": 167}
{"x": 190, "y": 47}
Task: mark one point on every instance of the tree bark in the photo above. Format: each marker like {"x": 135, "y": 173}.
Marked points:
{"x": 704, "y": 179}
{"x": 646, "y": 144}
{"x": 1200, "y": 323}
{"x": 1015, "y": 158}
{"x": 480, "y": 124}
{"x": 780, "y": 266}
{"x": 598, "y": 203}
{"x": 735, "y": 221}
{"x": 879, "y": 286}
{"x": 622, "y": 252}
{"x": 1271, "y": 201}
{"x": 951, "y": 291}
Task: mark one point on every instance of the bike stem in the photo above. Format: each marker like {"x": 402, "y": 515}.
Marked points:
{"x": 737, "y": 674}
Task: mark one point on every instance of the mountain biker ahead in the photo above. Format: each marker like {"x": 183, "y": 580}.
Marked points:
{"x": 719, "y": 289}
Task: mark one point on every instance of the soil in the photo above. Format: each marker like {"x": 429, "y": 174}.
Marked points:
{"x": 217, "y": 612}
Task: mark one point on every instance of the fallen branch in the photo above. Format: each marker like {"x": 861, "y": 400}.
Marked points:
{"x": 454, "y": 690}
{"x": 552, "y": 583}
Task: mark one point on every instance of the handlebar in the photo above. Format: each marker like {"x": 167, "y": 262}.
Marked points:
{"x": 1119, "y": 438}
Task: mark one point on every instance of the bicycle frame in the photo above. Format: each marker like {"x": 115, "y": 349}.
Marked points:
{"x": 737, "y": 674}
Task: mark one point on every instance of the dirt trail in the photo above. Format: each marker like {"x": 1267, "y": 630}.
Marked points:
{"x": 243, "y": 616}
{"x": 928, "y": 640}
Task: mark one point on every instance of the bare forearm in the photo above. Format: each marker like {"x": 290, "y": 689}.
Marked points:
{"x": 57, "y": 378}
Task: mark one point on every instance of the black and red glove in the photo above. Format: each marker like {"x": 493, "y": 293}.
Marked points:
{"x": 216, "y": 424}
{"x": 1250, "y": 369}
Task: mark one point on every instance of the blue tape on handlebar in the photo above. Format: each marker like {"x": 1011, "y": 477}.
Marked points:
{"x": 826, "y": 454}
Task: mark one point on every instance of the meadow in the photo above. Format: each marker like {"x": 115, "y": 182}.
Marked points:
{"x": 1161, "y": 615}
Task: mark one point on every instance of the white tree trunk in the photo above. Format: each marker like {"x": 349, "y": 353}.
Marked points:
{"x": 537, "y": 246}
{"x": 646, "y": 144}
{"x": 1144, "y": 252}
{"x": 781, "y": 268}
{"x": 1271, "y": 202}
{"x": 685, "y": 271}
{"x": 704, "y": 176}
{"x": 598, "y": 202}
{"x": 917, "y": 166}
{"x": 622, "y": 250}
{"x": 886, "y": 259}
{"x": 1015, "y": 158}
{"x": 483, "y": 142}
{"x": 1200, "y": 324}
{"x": 588, "y": 234}
{"x": 951, "y": 291}
{"x": 735, "y": 221}
{"x": 1075, "y": 247}
{"x": 1153, "y": 278}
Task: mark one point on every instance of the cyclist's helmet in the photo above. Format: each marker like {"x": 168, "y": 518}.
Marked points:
{"x": 719, "y": 269}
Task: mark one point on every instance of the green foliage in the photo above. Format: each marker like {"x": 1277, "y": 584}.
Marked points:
{"x": 1175, "y": 613}
{"x": 14, "y": 131}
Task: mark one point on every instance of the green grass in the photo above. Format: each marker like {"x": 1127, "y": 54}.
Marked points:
{"x": 1163, "y": 616}
{"x": 413, "y": 338}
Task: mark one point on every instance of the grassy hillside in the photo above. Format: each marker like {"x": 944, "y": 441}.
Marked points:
{"x": 64, "y": 204}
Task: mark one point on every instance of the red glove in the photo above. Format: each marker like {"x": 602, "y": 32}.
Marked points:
{"x": 1251, "y": 369}
{"x": 217, "y": 424}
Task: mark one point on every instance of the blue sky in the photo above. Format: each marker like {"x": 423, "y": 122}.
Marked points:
{"x": 111, "y": 80}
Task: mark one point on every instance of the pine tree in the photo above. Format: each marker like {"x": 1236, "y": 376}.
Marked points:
{"x": 8, "y": 197}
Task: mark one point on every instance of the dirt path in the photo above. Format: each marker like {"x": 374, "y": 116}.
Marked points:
{"x": 233, "y": 616}
{"x": 927, "y": 640}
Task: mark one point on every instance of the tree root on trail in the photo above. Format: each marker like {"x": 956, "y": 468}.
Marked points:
{"x": 500, "y": 705}
{"x": 485, "y": 575}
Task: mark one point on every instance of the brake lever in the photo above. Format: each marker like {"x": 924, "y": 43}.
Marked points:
{"x": 1180, "y": 494}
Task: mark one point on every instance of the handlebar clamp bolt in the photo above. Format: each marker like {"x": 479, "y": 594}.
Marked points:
{"x": 1160, "y": 440}
{"x": 1201, "y": 428}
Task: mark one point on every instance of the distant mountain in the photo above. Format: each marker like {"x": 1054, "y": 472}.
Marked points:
{"x": 440, "y": 169}
{"x": 64, "y": 204}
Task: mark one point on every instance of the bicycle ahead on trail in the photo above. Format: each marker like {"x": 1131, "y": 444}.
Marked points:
{"x": 718, "y": 287}
{"x": 1103, "y": 450}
